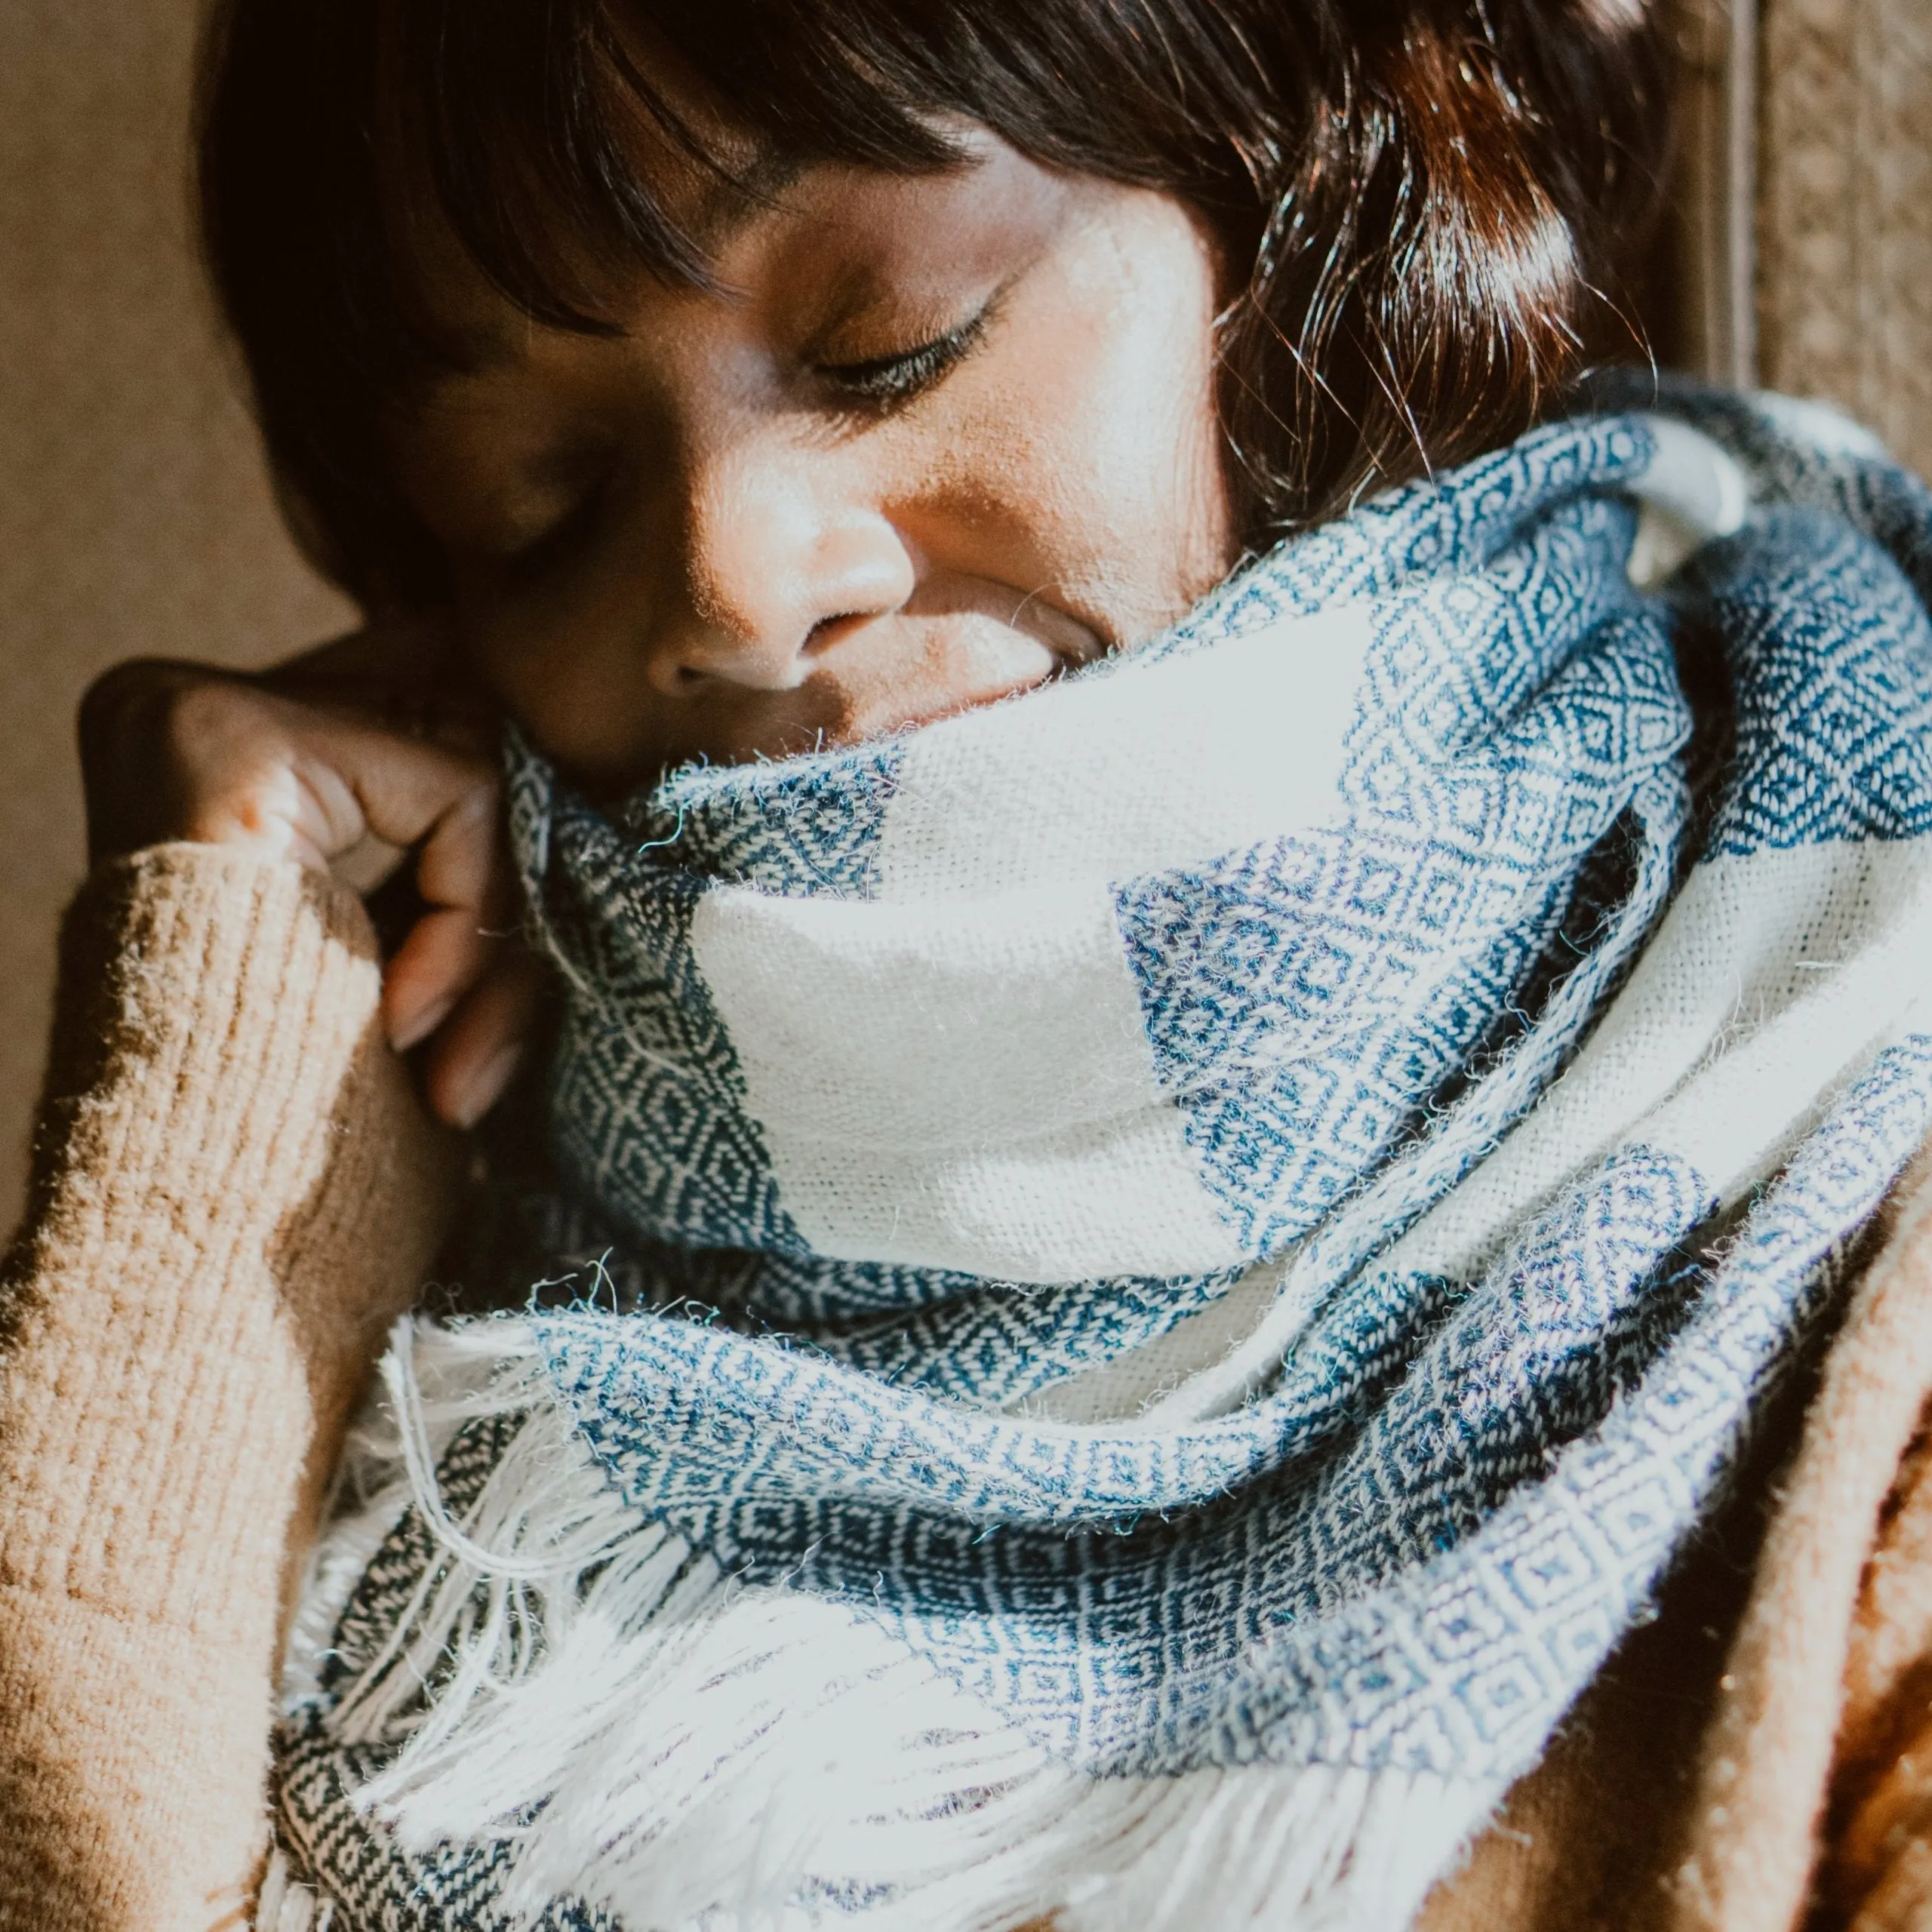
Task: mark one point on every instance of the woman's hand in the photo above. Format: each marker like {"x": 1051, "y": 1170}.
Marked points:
{"x": 367, "y": 739}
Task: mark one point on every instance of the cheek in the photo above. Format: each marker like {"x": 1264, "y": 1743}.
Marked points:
{"x": 1099, "y": 436}
{"x": 571, "y": 675}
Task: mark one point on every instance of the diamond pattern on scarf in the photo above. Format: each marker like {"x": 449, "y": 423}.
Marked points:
{"x": 645, "y": 1092}
{"x": 1410, "y": 1538}
{"x": 1002, "y": 1342}
{"x": 805, "y": 825}
{"x": 1287, "y": 991}
{"x": 1832, "y": 649}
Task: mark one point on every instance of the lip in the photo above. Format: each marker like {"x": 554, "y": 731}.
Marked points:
{"x": 876, "y": 679}
{"x": 911, "y": 718}
{"x": 911, "y": 670}
{"x": 860, "y": 679}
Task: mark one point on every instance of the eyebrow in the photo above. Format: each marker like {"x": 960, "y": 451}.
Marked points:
{"x": 730, "y": 201}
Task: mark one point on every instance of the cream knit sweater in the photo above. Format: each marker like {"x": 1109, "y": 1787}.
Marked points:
{"x": 234, "y": 1189}
{"x": 226, "y": 1146}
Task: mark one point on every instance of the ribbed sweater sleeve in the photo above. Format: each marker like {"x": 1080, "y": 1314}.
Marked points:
{"x": 234, "y": 1191}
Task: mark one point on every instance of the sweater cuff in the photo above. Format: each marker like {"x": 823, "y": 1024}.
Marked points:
{"x": 234, "y": 1191}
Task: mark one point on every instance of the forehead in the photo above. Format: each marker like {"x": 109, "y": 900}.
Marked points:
{"x": 731, "y": 213}
{"x": 662, "y": 170}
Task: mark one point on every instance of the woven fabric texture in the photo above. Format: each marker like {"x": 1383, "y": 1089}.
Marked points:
{"x": 1520, "y": 1024}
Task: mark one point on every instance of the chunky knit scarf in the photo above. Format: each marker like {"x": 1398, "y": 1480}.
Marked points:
{"x": 1147, "y": 1279}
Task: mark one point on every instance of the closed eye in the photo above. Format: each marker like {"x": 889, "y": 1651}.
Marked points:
{"x": 885, "y": 380}
{"x": 553, "y": 545}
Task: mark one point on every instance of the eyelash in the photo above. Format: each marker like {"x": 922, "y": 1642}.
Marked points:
{"x": 526, "y": 565}
{"x": 886, "y": 380}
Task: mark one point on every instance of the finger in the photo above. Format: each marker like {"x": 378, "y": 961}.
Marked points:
{"x": 260, "y": 769}
{"x": 462, "y": 861}
{"x": 411, "y": 793}
{"x": 229, "y": 770}
{"x": 447, "y": 951}
{"x": 463, "y": 873}
{"x": 443, "y": 802}
{"x": 476, "y": 1055}
{"x": 319, "y": 815}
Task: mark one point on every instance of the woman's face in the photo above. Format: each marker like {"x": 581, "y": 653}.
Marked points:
{"x": 939, "y": 437}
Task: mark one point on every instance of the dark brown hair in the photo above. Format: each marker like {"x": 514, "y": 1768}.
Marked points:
{"x": 1421, "y": 200}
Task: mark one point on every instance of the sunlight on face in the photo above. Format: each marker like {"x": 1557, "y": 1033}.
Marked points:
{"x": 941, "y": 438}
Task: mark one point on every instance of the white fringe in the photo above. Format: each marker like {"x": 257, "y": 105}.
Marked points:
{"x": 286, "y": 1905}
{"x": 686, "y": 1751}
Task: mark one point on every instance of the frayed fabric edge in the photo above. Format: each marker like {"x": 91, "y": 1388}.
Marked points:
{"x": 285, "y": 1904}
{"x": 638, "y": 1731}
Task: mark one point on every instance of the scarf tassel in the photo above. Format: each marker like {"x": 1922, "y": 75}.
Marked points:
{"x": 653, "y": 1736}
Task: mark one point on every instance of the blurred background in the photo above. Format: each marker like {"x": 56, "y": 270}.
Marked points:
{"x": 135, "y": 518}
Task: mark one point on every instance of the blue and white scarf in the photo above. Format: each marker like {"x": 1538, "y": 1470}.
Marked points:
{"x": 1155, "y": 1274}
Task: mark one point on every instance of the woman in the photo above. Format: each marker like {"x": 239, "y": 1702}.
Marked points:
{"x": 1179, "y": 1169}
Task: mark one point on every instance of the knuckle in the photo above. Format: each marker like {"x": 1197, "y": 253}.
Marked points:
{"x": 484, "y": 785}
{"x": 123, "y": 697}
{"x": 136, "y": 782}
{"x": 211, "y": 711}
{"x": 151, "y": 709}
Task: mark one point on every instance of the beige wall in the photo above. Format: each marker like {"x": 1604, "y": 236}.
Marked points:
{"x": 1844, "y": 209}
{"x": 134, "y": 517}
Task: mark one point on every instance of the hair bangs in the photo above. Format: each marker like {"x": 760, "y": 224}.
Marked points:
{"x": 545, "y": 139}
{"x": 1422, "y": 204}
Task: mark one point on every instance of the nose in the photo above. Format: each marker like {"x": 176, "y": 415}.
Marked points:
{"x": 772, "y": 546}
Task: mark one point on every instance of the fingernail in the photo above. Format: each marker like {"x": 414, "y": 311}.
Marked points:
{"x": 407, "y": 1027}
{"x": 484, "y": 1088}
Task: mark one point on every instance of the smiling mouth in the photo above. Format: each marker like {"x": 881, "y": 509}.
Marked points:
{"x": 872, "y": 678}
{"x": 858, "y": 679}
